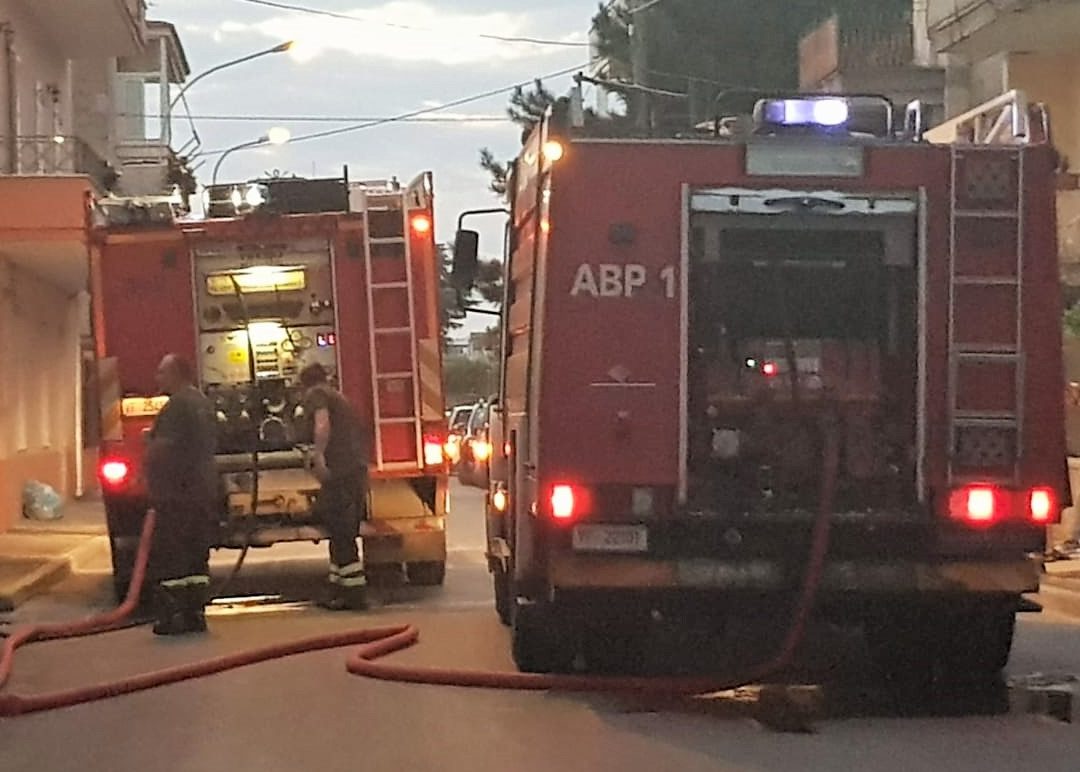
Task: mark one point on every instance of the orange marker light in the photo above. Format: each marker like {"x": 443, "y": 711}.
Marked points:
{"x": 421, "y": 223}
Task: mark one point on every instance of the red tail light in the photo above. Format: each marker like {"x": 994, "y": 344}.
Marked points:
{"x": 977, "y": 504}
{"x": 433, "y": 451}
{"x": 564, "y": 502}
{"x": 114, "y": 472}
{"x": 1041, "y": 505}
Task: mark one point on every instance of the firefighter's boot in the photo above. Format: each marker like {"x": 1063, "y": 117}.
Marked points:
{"x": 195, "y": 597}
{"x": 169, "y": 610}
{"x": 339, "y": 598}
{"x": 347, "y": 589}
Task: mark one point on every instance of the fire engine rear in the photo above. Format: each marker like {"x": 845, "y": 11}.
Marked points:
{"x": 280, "y": 274}
{"x": 696, "y": 328}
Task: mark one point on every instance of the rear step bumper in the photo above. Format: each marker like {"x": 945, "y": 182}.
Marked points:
{"x": 623, "y": 572}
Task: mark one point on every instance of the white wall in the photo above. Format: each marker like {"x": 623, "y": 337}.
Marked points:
{"x": 93, "y": 98}
{"x": 38, "y": 64}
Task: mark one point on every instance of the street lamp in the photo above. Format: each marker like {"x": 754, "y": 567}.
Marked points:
{"x": 278, "y": 49}
{"x": 275, "y": 136}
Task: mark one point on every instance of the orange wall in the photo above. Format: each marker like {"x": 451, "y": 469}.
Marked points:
{"x": 1052, "y": 78}
{"x": 39, "y": 336}
{"x": 43, "y": 204}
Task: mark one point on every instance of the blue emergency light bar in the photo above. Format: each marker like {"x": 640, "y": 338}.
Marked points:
{"x": 824, "y": 114}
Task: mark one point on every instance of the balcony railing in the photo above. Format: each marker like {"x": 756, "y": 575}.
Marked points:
{"x": 58, "y": 154}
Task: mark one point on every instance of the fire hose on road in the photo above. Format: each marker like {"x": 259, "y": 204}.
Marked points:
{"x": 372, "y": 644}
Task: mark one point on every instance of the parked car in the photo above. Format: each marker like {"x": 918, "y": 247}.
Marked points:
{"x": 476, "y": 448}
{"x": 457, "y": 426}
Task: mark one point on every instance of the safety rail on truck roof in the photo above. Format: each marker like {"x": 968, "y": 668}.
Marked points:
{"x": 1008, "y": 119}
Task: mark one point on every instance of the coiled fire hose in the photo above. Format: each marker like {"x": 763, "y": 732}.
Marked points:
{"x": 372, "y": 644}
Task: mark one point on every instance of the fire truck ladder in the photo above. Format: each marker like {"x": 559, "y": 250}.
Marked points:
{"x": 392, "y": 321}
{"x": 986, "y": 263}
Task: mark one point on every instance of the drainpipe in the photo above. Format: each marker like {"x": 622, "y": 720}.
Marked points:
{"x": 10, "y": 92}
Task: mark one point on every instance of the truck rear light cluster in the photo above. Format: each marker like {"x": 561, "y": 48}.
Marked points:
{"x": 481, "y": 450}
{"x": 420, "y": 223}
{"x": 433, "y": 451}
{"x": 983, "y": 505}
{"x": 114, "y": 472}
{"x": 569, "y": 502}
{"x": 500, "y": 500}
{"x": 563, "y": 502}
{"x": 1041, "y": 505}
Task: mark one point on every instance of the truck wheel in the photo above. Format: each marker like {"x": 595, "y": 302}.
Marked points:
{"x": 539, "y": 640}
{"x": 383, "y": 574}
{"x": 504, "y": 595}
{"x": 427, "y": 573}
{"x": 121, "y": 582}
{"x": 124, "y": 519}
{"x": 906, "y": 649}
{"x": 979, "y": 644}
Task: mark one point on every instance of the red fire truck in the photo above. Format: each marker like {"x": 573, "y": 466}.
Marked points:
{"x": 280, "y": 273}
{"x": 688, "y": 321}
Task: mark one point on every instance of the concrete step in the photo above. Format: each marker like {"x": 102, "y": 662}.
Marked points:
{"x": 1060, "y": 594}
{"x": 31, "y": 562}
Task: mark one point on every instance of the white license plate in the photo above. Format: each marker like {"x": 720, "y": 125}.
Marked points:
{"x": 611, "y": 538}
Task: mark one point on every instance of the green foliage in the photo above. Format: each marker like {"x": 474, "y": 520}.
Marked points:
{"x": 703, "y": 47}
{"x": 499, "y": 171}
{"x": 181, "y": 175}
{"x": 526, "y": 109}
{"x": 1071, "y": 321}
{"x": 468, "y": 380}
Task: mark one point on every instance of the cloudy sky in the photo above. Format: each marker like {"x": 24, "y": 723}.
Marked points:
{"x": 397, "y": 56}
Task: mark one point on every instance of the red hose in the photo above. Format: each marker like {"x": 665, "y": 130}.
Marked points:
{"x": 375, "y": 643}
{"x": 93, "y": 624}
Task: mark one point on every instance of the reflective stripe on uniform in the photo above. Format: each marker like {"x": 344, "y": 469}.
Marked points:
{"x": 192, "y": 580}
{"x": 352, "y": 575}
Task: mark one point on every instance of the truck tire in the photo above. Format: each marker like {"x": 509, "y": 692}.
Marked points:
{"x": 504, "y": 595}
{"x": 905, "y": 648}
{"x": 383, "y": 574}
{"x": 970, "y": 646}
{"x": 121, "y": 581}
{"x": 539, "y": 639}
{"x": 427, "y": 573}
{"x": 978, "y": 648}
{"x": 124, "y": 520}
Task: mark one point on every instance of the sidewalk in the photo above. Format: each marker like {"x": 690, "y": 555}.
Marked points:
{"x": 1059, "y": 587}
{"x": 34, "y": 554}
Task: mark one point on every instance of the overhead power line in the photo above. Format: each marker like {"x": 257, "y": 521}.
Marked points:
{"x": 411, "y": 27}
{"x": 331, "y": 118}
{"x": 418, "y": 112}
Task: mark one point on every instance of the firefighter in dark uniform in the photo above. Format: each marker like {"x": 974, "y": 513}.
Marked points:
{"x": 339, "y": 461}
{"x": 182, "y": 484}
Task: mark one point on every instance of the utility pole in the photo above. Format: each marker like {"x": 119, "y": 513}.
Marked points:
{"x": 639, "y": 62}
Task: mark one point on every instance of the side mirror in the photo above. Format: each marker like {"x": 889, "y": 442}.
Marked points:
{"x": 466, "y": 259}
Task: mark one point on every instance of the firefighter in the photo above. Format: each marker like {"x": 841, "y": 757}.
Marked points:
{"x": 339, "y": 461}
{"x": 181, "y": 480}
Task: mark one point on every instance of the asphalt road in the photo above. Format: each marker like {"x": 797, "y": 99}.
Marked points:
{"x": 306, "y": 712}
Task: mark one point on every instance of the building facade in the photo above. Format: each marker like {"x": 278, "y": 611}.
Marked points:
{"x": 62, "y": 145}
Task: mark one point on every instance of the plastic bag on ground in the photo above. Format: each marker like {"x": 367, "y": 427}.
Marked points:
{"x": 41, "y": 502}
